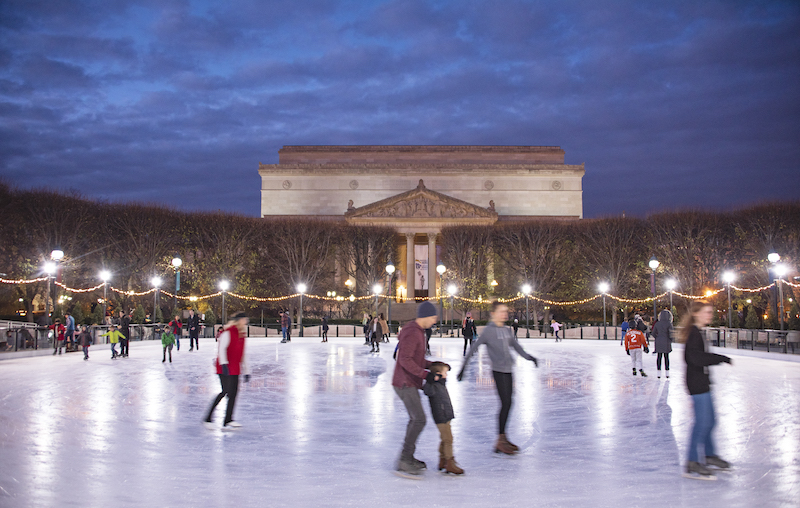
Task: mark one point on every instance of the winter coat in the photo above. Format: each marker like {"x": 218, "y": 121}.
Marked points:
{"x": 285, "y": 323}
{"x": 384, "y": 326}
{"x": 193, "y": 325}
{"x": 441, "y": 407}
{"x": 324, "y": 325}
{"x": 662, "y": 332}
{"x": 697, "y": 362}
{"x": 167, "y": 339}
{"x": 125, "y": 325}
{"x": 230, "y": 352}
{"x": 411, "y": 362}
{"x": 58, "y": 331}
{"x": 498, "y": 340}
{"x": 113, "y": 336}
{"x": 84, "y": 339}
{"x": 469, "y": 329}
{"x": 175, "y": 327}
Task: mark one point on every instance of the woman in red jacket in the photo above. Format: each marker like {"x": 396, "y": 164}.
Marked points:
{"x": 230, "y": 363}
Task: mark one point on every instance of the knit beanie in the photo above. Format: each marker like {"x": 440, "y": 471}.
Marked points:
{"x": 426, "y": 309}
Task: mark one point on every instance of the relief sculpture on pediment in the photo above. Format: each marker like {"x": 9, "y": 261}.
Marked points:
{"x": 421, "y": 207}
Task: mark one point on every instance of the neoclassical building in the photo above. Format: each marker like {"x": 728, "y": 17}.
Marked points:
{"x": 418, "y": 190}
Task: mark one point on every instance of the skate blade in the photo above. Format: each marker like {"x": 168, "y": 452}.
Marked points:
{"x": 501, "y": 455}
{"x": 720, "y": 470}
{"x": 408, "y": 476}
{"x": 699, "y": 477}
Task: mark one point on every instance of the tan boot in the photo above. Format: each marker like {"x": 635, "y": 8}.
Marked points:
{"x": 442, "y": 463}
{"x": 511, "y": 445}
{"x": 502, "y": 446}
{"x": 452, "y": 468}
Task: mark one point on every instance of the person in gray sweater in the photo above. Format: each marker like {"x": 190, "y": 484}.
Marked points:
{"x": 662, "y": 331}
{"x": 498, "y": 339}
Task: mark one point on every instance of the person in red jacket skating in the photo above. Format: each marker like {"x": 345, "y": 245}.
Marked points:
{"x": 409, "y": 372}
{"x": 635, "y": 341}
{"x": 230, "y": 364}
{"x": 58, "y": 336}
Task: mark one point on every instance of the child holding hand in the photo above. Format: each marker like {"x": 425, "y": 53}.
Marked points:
{"x": 442, "y": 411}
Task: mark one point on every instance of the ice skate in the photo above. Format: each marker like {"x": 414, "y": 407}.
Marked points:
{"x": 164, "y": 359}
{"x": 452, "y": 468}
{"x": 442, "y": 463}
{"x": 634, "y": 371}
{"x": 697, "y": 471}
{"x": 667, "y": 374}
{"x": 419, "y": 463}
{"x": 658, "y": 374}
{"x": 641, "y": 371}
{"x": 503, "y": 447}
{"x": 718, "y": 464}
{"x": 209, "y": 425}
{"x": 512, "y": 445}
{"x": 408, "y": 470}
{"x": 232, "y": 425}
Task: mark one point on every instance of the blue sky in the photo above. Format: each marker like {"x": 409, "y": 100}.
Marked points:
{"x": 669, "y": 104}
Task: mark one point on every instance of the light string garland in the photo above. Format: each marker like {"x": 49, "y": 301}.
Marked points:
{"x": 479, "y": 300}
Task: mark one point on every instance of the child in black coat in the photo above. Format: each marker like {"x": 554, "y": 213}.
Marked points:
{"x": 442, "y": 411}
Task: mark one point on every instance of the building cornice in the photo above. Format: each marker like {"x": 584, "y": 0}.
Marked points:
{"x": 417, "y": 168}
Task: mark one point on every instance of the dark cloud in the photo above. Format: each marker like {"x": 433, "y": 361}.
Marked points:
{"x": 694, "y": 104}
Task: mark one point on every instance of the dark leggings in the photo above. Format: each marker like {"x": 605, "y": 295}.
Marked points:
{"x": 504, "y": 383}
{"x": 467, "y": 342}
{"x": 230, "y": 385}
{"x": 666, "y": 361}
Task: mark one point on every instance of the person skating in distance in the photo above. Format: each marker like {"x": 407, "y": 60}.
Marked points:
{"x": 498, "y": 339}
{"x": 698, "y": 360}
{"x": 409, "y": 372}
{"x": 230, "y": 364}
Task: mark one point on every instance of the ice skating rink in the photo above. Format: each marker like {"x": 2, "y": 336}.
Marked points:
{"x": 323, "y": 427}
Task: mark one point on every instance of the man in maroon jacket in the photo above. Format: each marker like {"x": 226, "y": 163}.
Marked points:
{"x": 409, "y": 372}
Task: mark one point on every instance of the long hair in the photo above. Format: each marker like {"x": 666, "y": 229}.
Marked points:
{"x": 688, "y": 320}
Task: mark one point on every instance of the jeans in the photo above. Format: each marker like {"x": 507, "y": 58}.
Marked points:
{"x": 704, "y": 422}
{"x": 230, "y": 386}
{"x": 504, "y": 383}
{"x": 86, "y": 351}
{"x": 416, "y": 420}
{"x": 113, "y": 349}
{"x": 283, "y": 331}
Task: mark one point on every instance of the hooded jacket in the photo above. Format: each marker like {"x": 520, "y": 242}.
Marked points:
{"x": 441, "y": 407}
{"x": 498, "y": 340}
{"x": 411, "y": 362}
{"x": 662, "y": 332}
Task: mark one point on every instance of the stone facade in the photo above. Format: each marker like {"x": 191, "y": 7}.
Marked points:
{"x": 522, "y": 181}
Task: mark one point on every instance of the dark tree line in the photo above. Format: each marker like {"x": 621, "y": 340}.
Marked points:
{"x": 561, "y": 260}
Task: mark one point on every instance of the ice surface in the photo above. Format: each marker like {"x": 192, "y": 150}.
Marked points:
{"x": 323, "y": 427}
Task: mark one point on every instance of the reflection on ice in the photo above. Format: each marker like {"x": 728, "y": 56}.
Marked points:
{"x": 322, "y": 426}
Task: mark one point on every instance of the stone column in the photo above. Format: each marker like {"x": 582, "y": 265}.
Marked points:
{"x": 410, "y": 266}
{"x": 432, "y": 265}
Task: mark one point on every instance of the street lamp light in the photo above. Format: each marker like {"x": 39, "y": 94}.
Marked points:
{"x": 728, "y": 278}
{"x": 773, "y": 257}
{"x": 780, "y": 271}
{"x": 176, "y": 263}
{"x": 671, "y": 284}
{"x": 390, "y": 270}
{"x": 603, "y": 287}
{"x": 156, "y": 282}
{"x": 526, "y": 290}
{"x": 653, "y": 265}
{"x": 301, "y": 288}
{"x": 452, "y": 289}
{"x": 105, "y": 276}
{"x": 224, "y": 285}
{"x": 440, "y": 269}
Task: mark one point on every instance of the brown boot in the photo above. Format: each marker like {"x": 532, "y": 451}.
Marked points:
{"x": 510, "y": 444}
{"x": 452, "y": 468}
{"x": 502, "y": 446}
{"x": 442, "y": 463}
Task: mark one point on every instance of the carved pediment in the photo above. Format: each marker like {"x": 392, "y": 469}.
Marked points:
{"x": 422, "y": 204}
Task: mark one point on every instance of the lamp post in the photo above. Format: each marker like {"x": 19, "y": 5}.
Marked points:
{"x": 49, "y": 269}
{"x": 603, "y": 287}
{"x": 156, "y": 282}
{"x": 301, "y": 288}
{"x": 526, "y": 290}
{"x": 331, "y": 294}
{"x": 671, "y": 283}
{"x": 376, "y": 290}
{"x": 176, "y": 263}
{"x": 105, "y": 276}
{"x": 390, "y": 270}
{"x": 780, "y": 271}
{"x": 773, "y": 257}
{"x": 224, "y": 285}
{"x": 56, "y": 255}
{"x": 452, "y": 289}
{"x": 728, "y": 278}
{"x": 440, "y": 269}
{"x": 653, "y": 265}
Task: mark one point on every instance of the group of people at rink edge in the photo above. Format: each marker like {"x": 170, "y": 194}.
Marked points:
{"x": 119, "y": 333}
{"x": 413, "y": 372}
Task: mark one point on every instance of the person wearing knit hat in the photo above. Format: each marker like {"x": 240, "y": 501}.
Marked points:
{"x": 409, "y": 372}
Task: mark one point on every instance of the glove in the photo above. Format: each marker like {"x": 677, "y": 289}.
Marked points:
{"x": 225, "y": 371}
{"x": 535, "y": 362}
{"x": 628, "y": 351}
{"x": 646, "y": 350}
{"x": 247, "y": 378}
{"x": 431, "y": 377}
{"x": 460, "y": 376}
